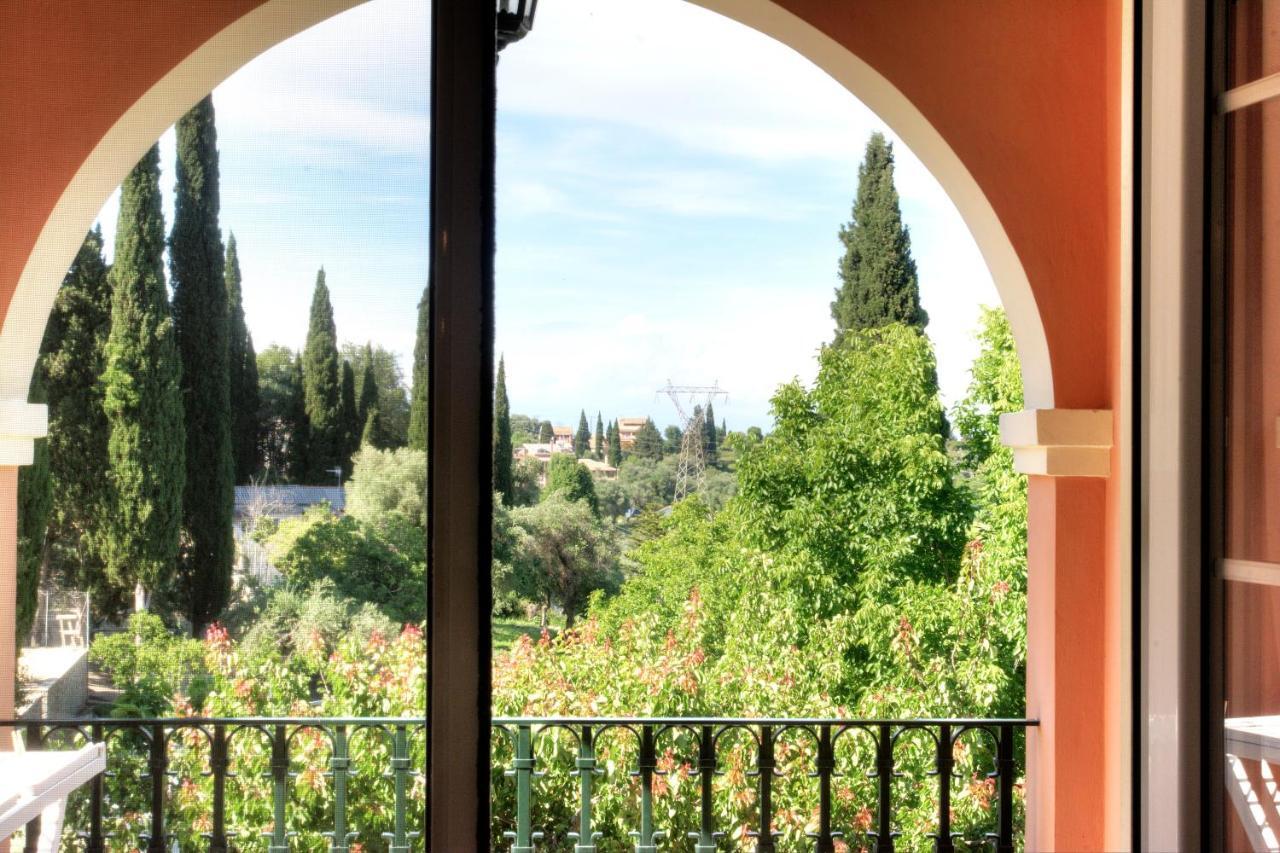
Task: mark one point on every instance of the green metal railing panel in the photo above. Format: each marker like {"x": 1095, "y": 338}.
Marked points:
{"x": 155, "y": 752}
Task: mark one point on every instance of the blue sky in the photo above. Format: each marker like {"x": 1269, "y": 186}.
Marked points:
{"x": 670, "y": 186}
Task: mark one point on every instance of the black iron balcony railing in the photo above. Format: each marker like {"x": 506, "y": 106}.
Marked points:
{"x": 348, "y": 784}
{"x": 764, "y": 737}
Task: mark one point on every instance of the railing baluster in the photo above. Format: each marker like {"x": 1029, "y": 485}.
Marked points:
{"x": 522, "y": 769}
{"x": 218, "y": 764}
{"x": 884, "y": 776}
{"x": 279, "y": 790}
{"x": 647, "y": 763}
{"x": 1004, "y": 779}
{"x": 339, "y": 765}
{"x": 158, "y": 768}
{"x": 706, "y": 834}
{"x": 585, "y": 838}
{"x": 945, "y": 763}
{"x": 96, "y": 842}
{"x": 765, "y": 766}
{"x": 399, "y": 836}
{"x": 35, "y": 740}
{"x": 824, "y": 838}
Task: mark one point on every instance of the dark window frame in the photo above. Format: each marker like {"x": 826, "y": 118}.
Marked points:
{"x": 463, "y": 53}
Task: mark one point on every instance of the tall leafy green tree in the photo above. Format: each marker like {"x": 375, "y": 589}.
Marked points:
{"x": 72, "y": 362}
{"x": 279, "y": 392}
{"x": 35, "y": 501}
{"x": 349, "y": 416}
{"x": 878, "y": 282}
{"x": 615, "y": 445}
{"x": 503, "y": 481}
{"x": 570, "y": 478}
{"x": 545, "y": 432}
{"x": 246, "y": 428}
{"x": 582, "y": 437}
{"x": 996, "y": 568}
{"x": 322, "y": 386}
{"x": 562, "y": 552}
{"x": 417, "y": 434}
{"x": 854, "y": 487}
{"x": 599, "y": 437}
{"x": 142, "y": 396}
{"x": 202, "y": 330}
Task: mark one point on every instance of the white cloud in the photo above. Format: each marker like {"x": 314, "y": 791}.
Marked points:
{"x": 613, "y": 117}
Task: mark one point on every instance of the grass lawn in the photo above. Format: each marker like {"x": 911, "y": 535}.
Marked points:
{"x": 507, "y": 630}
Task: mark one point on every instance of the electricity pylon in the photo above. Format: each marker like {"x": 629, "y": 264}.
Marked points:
{"x": 691, "y": 471}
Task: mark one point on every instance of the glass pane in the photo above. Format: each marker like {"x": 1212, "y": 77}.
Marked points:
{"x": 1254, "y": 33}
{"x": 1253, "y": 269}
{"x": 1252, "y": 641}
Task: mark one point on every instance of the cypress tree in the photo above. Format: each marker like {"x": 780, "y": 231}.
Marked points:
{"x": 202, "y": 329}
{"x": 71, "y": 363}
{"x": 648, "y": 444}
{"x": 349, "y": 416}
{"x": 711, "y": 445}
{"x": 298, "y": 425}
{"x": 142, "y": 396}
{"x": 878, "y": 282}
{"x": 582, "y": 438}
{"x": 372, "y": 434}
{"x": 545, "y": 432}
{"x": 322, "y": 387}
{"x": 392, "y": 394}
{"x": 503, "y": 476}
{"x": 35, "y": 500}
{"x": 672, "y": 438}
{"x": 367, "y": 399}
{"x": 599, "y": 437}
{"x": 418, "y": 426}
{"x": 246, "y": 427}
{"x": 615, "y": 445}
{"x": 724, "y": 431}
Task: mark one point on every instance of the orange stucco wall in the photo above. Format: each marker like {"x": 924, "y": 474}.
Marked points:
{"x": 69, "y": 71}
{"x": 1029, "y": 97}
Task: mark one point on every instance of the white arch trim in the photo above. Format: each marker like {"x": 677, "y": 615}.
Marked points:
{"x": 99, "y": 175}
{"x": 883, "y": 98}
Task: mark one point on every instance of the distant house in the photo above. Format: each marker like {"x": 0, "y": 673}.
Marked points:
{"x": 541, "y": 452}
{"x": 254, "y": 503}
{"x": 562, "y": 438}
{"x": 599, "y": 469}
{"x": 627, "y": 429}
{"x": 285, "y": 501}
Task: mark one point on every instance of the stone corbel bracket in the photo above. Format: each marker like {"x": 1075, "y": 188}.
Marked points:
{"x": 21, "y": 423}
{"x": 1059, "y": 442}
